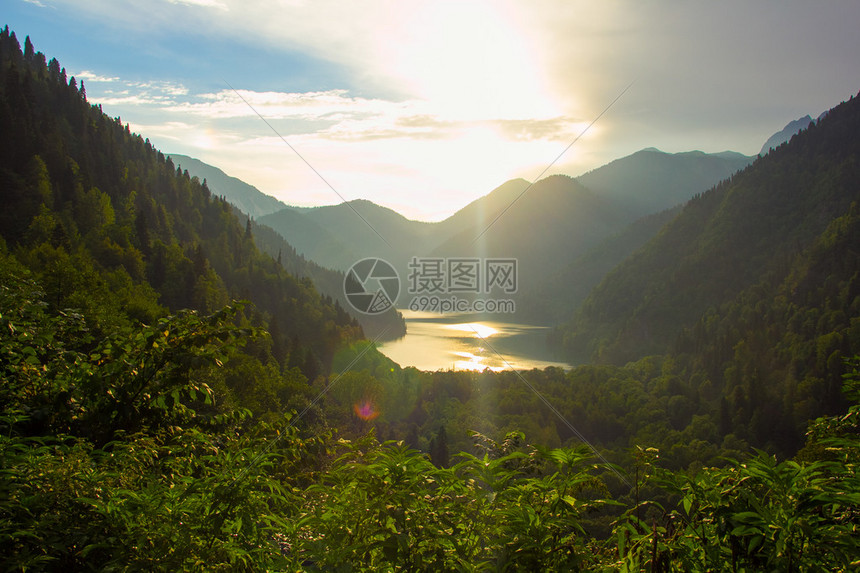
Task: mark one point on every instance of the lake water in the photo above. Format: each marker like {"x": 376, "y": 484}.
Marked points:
{"x": 469, "y": 342}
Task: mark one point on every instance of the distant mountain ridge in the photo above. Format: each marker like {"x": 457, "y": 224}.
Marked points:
{"x": 651, "y": 180}
{"x": 785, "y": 134}
{"x": 572, "y": 215}
{"x": 246, "y": 197}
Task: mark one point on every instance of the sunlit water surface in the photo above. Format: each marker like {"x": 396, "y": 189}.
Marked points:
{"x": 469, "y": 342}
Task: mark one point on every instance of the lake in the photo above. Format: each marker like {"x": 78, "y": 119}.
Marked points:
{"x": 469, "y": 342}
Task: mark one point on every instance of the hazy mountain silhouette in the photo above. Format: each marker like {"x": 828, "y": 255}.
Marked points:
{"x": 650, "y": 180}
{"x": 309, "y": 238}
{"x": 338, "y": 235}
{"x": 478, "y": 214}
{"x": 554, "y": 299}
{"x": 556, "y": 220}
{"x": 246, "y": 197}
{"x": 549, "y": 227}
{"x": 785, "y": 134}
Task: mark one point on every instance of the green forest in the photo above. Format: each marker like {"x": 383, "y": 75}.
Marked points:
{"x": 174, "y": 397}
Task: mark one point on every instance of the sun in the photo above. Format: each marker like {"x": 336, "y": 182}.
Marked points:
{"x": 470, "y": 60}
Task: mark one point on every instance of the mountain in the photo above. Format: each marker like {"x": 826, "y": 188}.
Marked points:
{"x": 371, "y": 230}
{"x": 745, "y": 230}
{"x": 572, "y": 218}
{"x": 556, "y": 268}
{"x": 336, "y": 236}
{"x": 312, "y": 240}
{"x": 554, "y": 300}
{"x": 246, "y": 197}
{"x": 646, "y": 186}
{"x": 478, "y": 214}
{"x": 785, "y": 134}
{"x": 650, "y": 180}
{"x": 750, "y": 297}
{"x": 553, "y": 222}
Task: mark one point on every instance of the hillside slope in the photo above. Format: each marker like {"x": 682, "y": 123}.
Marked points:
{"x": 555, "y": 221}
{"x": 724, "y": 241}
{"x": 554, "y": 300}
{"x": 246, "y": 197}
{"x": 114, "y": 228}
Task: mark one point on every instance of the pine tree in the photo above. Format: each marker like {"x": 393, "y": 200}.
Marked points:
{"x": 29, "y": 52}
{"x": 439, "y": 449}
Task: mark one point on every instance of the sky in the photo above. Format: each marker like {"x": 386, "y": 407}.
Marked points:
{"x": 425, "y": 106}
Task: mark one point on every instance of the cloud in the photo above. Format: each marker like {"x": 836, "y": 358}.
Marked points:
{"x": 94, "y": 77}
{"x": 167, "y": 89}
{"x": 336, "y": 115}
{"x": 115, "y": 91}
{"x": 173, "y": 130}
{"x": 557, "y": 128}
{"x": 129, "y": 100}
{"x": 368, "y": 147}
{"x": 272, "y": 105}
{"x": 201, "y": 3}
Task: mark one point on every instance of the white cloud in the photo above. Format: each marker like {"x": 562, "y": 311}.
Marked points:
{"x": 128, "y": 100}
{"x": 276, "y": 105}
{"x": 201, "y": 3}
{"x": 94, "y": 77}
{"x": 167, "y": 89}
{"x": 115, "y": 91}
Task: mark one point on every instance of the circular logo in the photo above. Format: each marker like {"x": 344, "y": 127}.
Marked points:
{"x": 371, "y": 286}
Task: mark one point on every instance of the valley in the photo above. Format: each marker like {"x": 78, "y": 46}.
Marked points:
{"x": 187, "y": 381}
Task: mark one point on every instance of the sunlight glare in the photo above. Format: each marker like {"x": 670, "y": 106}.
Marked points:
{"x": 205, "y": 139}
{"x": 476, "y": 329}
{"x": 471, "y": 60}
{"x": 471, "y": 361}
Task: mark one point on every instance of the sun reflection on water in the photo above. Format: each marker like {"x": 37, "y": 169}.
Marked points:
{"x": 477, "y": 329}
{"x": 469, "y": 361}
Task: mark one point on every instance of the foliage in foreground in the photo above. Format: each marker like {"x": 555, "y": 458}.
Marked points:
{"x": 115, "y": 454}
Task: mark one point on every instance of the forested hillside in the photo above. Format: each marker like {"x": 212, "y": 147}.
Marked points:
{"x": 110, "y": 226}
{"x": 554, "y": 299}
{"x": 246, "y": 197}
{"x": 752, "y": 288}
{"x": 379, "y": 327}
{"x": 758, "y": 225}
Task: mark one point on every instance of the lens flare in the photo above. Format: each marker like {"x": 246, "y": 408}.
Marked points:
{"x": 365, "y": 410}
